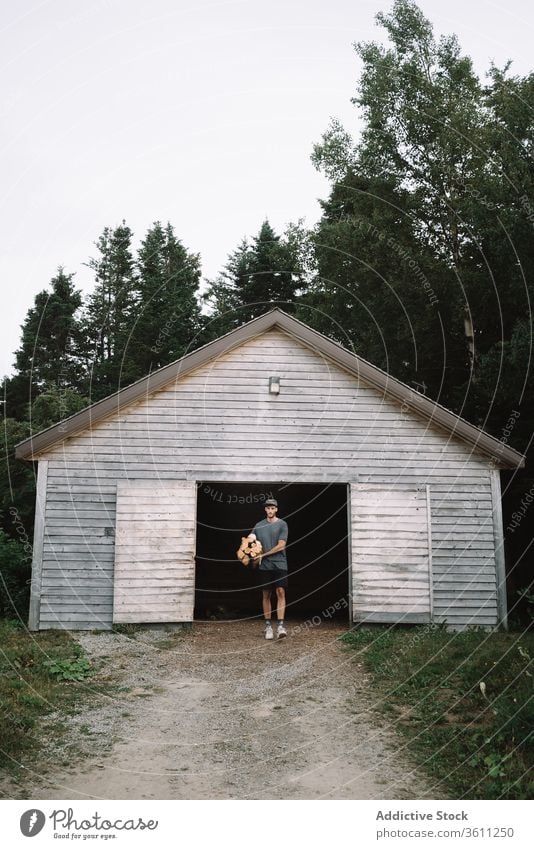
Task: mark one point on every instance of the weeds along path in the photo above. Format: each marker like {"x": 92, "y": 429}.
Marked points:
{"x": 220, "y": 713}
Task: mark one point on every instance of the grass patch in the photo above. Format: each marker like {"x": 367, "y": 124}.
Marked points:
{"x": 39, "y": 673}
{"x": 464, "y": 700}
{"x": 172, "y": 639}
{"x": 126, "y": 629}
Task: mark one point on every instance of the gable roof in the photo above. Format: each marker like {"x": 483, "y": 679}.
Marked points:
{"x": 504, "y": 456}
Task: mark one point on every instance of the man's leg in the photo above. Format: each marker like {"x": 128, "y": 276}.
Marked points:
{"x": 266, "y": 601}
{"x": 280, "y": 603}
{"x": 280, "y": 611}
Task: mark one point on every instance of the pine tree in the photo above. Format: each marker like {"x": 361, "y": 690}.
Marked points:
{"x": 49, "y": 353}
{"x": 110, "y": 313}
{"x": 272, "y": 277}
{"x": 222, "y": 295}
{"x": 257, "y": 277}
{"x": 168, "y": 319}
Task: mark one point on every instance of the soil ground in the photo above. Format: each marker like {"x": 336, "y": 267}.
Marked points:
{"x": 221, "y": 713}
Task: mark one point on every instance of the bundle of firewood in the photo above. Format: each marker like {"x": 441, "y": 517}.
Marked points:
{"x": 249, "y": 550}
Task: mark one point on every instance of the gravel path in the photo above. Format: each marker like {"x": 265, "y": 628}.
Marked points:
{"x": 220, "y": 713}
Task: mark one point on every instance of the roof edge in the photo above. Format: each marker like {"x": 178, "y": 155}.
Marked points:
{"x": 38, "y": 442}
{"x": 505, "y": 456}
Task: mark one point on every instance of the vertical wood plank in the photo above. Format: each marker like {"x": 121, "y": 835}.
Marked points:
{"x": 430, "y": 570}
{"x": 38, "y": 543}
{"x": 349, "y": 553}
{"x": 500, "y": 569}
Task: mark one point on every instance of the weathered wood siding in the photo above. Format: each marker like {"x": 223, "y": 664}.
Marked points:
{"x": 391, "y": 557}
{"x": 221, "y": 423}
{"x": 154, "y": 579}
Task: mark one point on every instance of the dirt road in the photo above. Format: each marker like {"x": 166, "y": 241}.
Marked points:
{"x": 223, "y": 714}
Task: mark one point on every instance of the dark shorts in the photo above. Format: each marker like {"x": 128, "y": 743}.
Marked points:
{"x": 270, "y": 578}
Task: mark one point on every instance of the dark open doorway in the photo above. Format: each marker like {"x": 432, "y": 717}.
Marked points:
{"x": 317, "y": 550}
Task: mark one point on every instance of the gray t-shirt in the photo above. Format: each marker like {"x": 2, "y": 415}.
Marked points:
{"x": 269, "y": 533}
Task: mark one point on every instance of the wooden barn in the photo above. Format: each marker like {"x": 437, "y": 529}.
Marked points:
{"x": 393, "y": 502}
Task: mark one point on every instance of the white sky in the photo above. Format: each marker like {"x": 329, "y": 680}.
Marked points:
{"x": 200, "y": 113}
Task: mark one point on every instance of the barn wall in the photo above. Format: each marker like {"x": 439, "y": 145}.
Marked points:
{"x": 397, "y": 561}
{"x": 154, "y": 578}
{"x": 221, "y": 423}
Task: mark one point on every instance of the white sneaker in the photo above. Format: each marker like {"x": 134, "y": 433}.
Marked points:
{"x": 281, "y": 632}
{"x": 269, "y": 633}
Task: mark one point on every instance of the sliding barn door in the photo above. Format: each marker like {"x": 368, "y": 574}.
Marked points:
{"x": 155, "y": 552}
{"x": 391, "y": 555}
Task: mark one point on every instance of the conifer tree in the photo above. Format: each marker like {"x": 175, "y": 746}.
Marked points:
{"x": 168, "y": 318}
{"x": 222, "y": 295}
{"x": 258, "y": 276}
{"x": 271, "y": 278}
{"x": 110, "y": 312}
{"x": 49, "y": 353}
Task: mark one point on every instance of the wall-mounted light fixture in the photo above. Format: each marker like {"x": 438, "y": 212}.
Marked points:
{"x": 274, "y": 385}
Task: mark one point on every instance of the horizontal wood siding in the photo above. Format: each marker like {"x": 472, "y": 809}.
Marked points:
{"x": 155, "y": 552}
{"x": 390, "y": 555}
{"x": 463, "y": 557}
{"x": 221, "y": 423}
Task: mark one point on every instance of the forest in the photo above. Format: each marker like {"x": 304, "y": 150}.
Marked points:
{"x": 422, "y": 262}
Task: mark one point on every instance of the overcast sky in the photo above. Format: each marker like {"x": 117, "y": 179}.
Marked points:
{"x": 200, "y": 113}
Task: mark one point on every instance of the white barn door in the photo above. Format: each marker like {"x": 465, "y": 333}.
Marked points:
{"x": 155, "y": 552}
{"x": 391, "y": 554}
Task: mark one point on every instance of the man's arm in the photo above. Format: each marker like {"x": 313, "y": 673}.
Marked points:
{"x": 281, "y": 544}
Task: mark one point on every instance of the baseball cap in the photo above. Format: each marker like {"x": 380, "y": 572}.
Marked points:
{"x": 271, "y": 502}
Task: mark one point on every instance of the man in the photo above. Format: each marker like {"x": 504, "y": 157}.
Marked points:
{"x": 272, "y": 533}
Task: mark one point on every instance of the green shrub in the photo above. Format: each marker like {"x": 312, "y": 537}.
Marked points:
{"x": 39, "y": 673}
{"x": 15, "y": 578}
{"x": 69, "y": 670}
